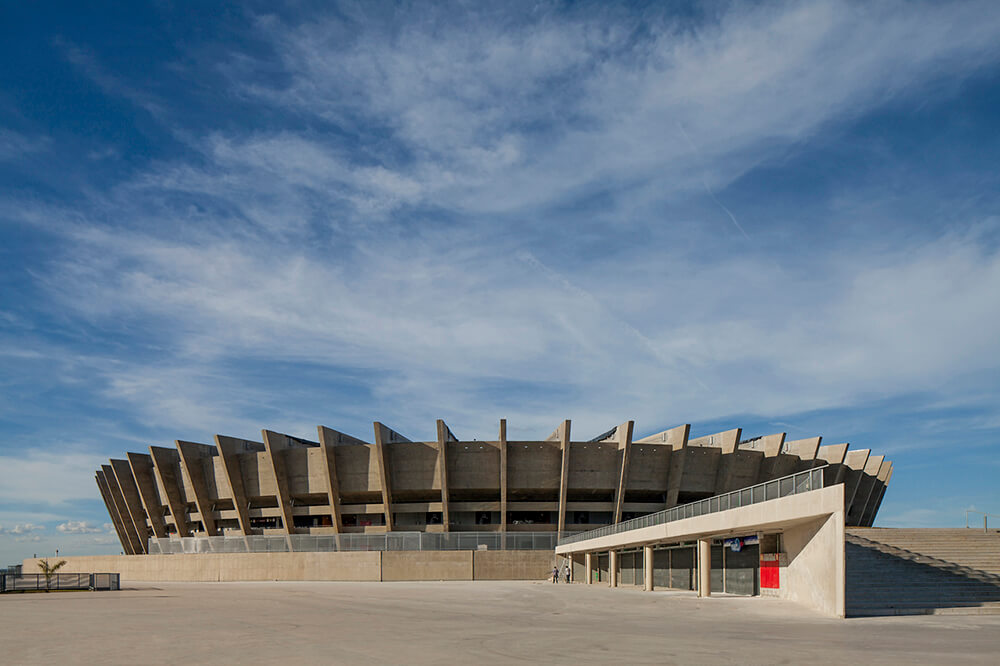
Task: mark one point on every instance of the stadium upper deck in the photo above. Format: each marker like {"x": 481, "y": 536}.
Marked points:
{"x": 342, "y": 484}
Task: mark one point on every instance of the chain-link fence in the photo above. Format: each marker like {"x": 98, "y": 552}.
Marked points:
{"x": 302, "y": 543}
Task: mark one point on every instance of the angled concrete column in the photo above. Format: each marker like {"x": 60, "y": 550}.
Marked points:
{"x": 704, "y": 567}
{"x": 142, "y": 470}
{"x": 588, "y": 565}
{"x": 729, "y": 469}
{"x": 881, "y": 494}
{"x": 833, "y": 455}
{"x": 867, "y": 485}
{"x": 383, "y": 436}
{"x": 878, "y": 485}
{"x": 230, "y": 448}
{"x": 503, "y": 474}
{"x": 165, "y": 465}
{"x": 564, "y": 444}
{"x": 276, "y": 444}
{"x": 670, "y": 436}
{"x": 855, "y": 462}
{"x": 647, "y": 564}
{"x": 116, "y": 520}
{"x": 329, "y": 439}
{"x": 444, "y": 436}
{"x": 192, "y": 454}
{"x": 613, "y": 567}
{"x": 806, "y": 450}
{"x": 744, "y": 466}
{"x": 772, "y": 445}
{"x": 677, "y": 439}
{"x": 671, "y": 439}
{"x": 624, "y": 436}
{"x": 795, "y": 455}
{"x": 119, "y": 501}
{"x": 133, "y": 503}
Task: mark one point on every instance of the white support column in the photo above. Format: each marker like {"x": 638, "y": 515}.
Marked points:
{"x": 588, "y": 564}
{"x": 613, "y": 568}
{"x": 704, "y": 567}
{"x": 647, "y": 563}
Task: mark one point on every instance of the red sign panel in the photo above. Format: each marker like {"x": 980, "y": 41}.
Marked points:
{"x": 769, "y": 577}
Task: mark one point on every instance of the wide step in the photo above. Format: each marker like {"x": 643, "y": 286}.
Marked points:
{"x": 915, "y": 572}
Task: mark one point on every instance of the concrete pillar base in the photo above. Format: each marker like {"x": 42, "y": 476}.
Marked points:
{"x": 704, "y": 567}
{"x": 647, "y": 562}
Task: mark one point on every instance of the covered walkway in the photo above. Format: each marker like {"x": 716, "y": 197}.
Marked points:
{"x": 796, "y": 531}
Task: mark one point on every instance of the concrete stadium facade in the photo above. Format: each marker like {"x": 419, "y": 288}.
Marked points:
{"x": 339, "y": 484}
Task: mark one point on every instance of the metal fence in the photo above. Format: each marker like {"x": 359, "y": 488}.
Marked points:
{"x": 792, "y": 484}
{"x": 59, "y": 581}
{"x": 986, "y": 518}
{"x": 301, "y": 543}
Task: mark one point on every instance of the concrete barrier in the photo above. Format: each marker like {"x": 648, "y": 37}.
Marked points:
{"x": 427, "y": 565}
{"x": 512, "y": 564}
{"x": 213, "y": 567}
{"x": 345, "y": 566}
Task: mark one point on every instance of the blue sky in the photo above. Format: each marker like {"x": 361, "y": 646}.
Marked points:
{"x": 214, "y": 220}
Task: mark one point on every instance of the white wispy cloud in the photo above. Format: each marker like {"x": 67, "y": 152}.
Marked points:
{"x": 437, "y": 309}
{"x": 810, "y": 342}
{"x": 41, "y": 477}
{"x": 78, "y": 527}
{"x": 15, "y": 145}
{"x": 504, "y": 115}
{"x": 21, "y": 529}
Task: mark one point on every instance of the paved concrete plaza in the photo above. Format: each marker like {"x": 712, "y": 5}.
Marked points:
{"x": 468, "y": 622}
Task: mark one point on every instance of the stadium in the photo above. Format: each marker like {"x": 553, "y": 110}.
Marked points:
{"x": 749, "y": 516}
{"x": 289, "y": 488}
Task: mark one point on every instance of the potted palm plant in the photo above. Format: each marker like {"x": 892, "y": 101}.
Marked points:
{"x": 49, "y": 570}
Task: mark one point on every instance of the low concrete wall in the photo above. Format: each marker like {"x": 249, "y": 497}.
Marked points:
{"x": 512, "y": 564}
{"x": 426, "y": 565}
{"x": 229, "y": 567}
{"x": 351, "y": 566}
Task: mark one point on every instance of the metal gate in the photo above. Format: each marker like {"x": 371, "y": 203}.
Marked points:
{"x": 717, "y": 574}
{"x": 661, "y": 568}
{"x": 627, "y": 568}
{"x": 742, "y": 571}
{"x": 682, "y": 568}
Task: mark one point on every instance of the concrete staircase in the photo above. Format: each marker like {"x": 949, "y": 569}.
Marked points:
{"x": 922, "y": 571}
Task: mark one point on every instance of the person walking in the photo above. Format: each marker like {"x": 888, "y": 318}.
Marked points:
{"x": 555, "y": 574}
{"x": 566, "y": 571}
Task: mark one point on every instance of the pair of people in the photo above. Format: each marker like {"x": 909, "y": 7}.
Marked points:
{"x": 555, "y": 574}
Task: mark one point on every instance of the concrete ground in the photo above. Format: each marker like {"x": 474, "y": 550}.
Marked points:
{"x": 466, "y": 622}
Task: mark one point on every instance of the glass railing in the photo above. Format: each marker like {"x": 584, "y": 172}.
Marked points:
{"x": 304, "y": 543}
{"x": 787, "y": 485}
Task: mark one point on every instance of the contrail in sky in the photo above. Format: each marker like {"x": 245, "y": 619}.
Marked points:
{"x": 709, "y": 189}
{"x": 532, "y": 260}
